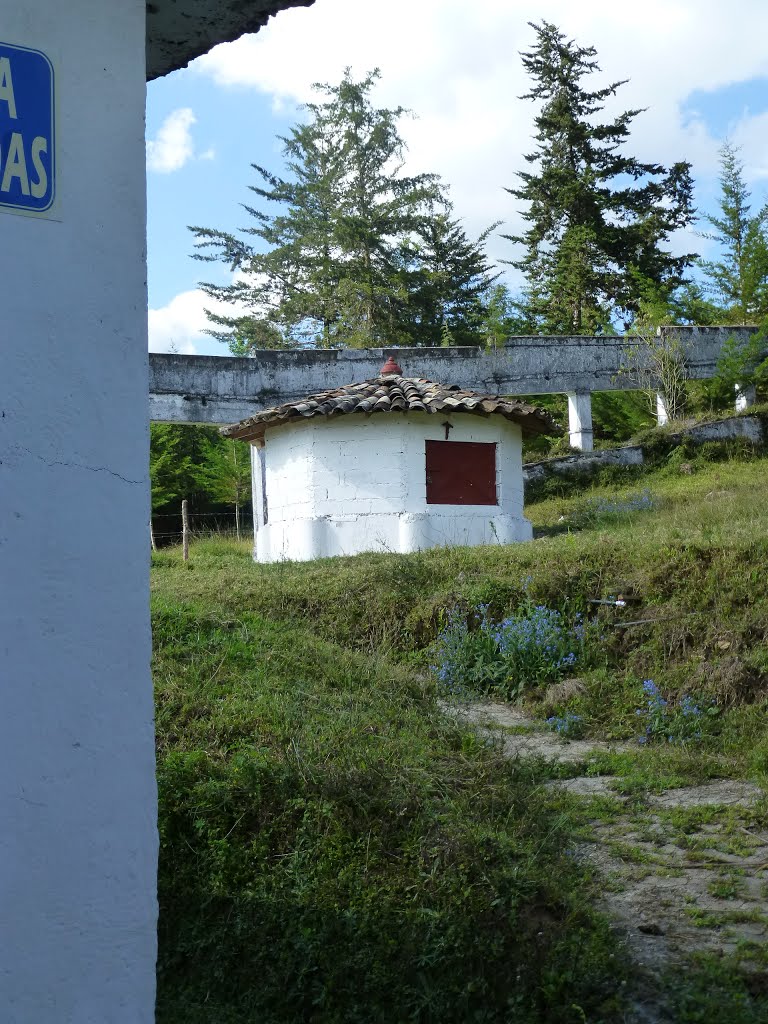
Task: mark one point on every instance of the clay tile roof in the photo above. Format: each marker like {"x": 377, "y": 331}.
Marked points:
{"x": 393, "y": 393}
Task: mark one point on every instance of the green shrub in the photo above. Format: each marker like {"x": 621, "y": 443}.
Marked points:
{"x": 683, "y": 721}
{"x": 534, "y": 645}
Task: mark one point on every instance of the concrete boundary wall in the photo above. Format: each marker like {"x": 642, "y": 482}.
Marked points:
{"x": 586, "y": 463}
{"x": 225, "y": 389}
{"x": 583, "y": 464}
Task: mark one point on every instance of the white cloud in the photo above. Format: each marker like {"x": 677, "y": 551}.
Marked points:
{"x": 173, "y": 146}
{"x": 178, "y": 327}
{"x": 749, "y": 133}
{"x": 457, "y": 66}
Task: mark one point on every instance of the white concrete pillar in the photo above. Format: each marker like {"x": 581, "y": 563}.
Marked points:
{"x": 78, "y": 837}
{"x": 746, "y": 397}
{"x": 580, "y": 420}
{"x": 662, "y": 416}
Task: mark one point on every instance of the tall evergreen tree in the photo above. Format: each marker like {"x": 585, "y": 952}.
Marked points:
{"x": 738, "y": 281}
{"x": 176, "y": 453}
{"x": 226, "y": 473}
{"x": 597, "y": 220}
{"x": 378, "y": 207}
{"x": 332, "y": 264}
{"x": 448, "y": 283}
{"x": 287, "y": 279}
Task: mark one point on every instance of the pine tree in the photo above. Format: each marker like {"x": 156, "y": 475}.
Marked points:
{"x": 739, "y": 279}
{"x": 287, "y": 280}
{"x": 597, "y": 220}
{"x": 225, "y": 473}
{"x": 379, "y": 207}
{"x": 689, "y": 305}
{"x": 197, "y": 463}
{"x": 331, "y": 266}
{"x": 498, "y": 314}
{"x": 449, "y": 281}
{"x": 173, "y": 455}
{"x": 177, "y": 451}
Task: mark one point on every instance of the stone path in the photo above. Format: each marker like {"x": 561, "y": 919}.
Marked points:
{"x": 533, "y": 739}
{"x": 685, "y": 870}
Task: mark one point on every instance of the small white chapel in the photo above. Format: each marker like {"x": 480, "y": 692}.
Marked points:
{"x": 390, "y": 464}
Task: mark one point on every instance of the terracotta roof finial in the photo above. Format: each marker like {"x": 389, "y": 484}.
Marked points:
{"x": 391, "y": 367}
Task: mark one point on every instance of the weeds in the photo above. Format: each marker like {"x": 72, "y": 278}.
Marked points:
{"x": 335, "y": 850}
{"x": 533, "y": 646}
{"x": 570, "y": 726}
{"x": 599, "y": 509}
{"x": 681, "y": 722}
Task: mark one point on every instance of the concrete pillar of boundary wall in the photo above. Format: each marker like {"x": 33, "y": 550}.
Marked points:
{"x": 746, "y": 397}
{"x": 580, "y": 421}
{"x": 662, "y": 416}
{"x": 78, "y": 843}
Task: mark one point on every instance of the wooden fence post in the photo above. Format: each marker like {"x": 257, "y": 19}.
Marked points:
{"x": 185, "y": 529}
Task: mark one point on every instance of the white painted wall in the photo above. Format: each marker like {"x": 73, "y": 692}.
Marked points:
{"x": 357, "y": 483}
{"x": 77, "y": 792}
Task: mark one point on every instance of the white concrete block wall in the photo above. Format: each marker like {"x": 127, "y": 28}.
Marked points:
{"x": 358, "y": 483}
{"x": 288, "y": 456}
{"x": 78, "y": 836}
{"x": 359, "y": 466}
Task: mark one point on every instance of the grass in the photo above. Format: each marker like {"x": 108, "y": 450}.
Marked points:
{"x": 334, "y": 849}
{"x": 715, "y": 988}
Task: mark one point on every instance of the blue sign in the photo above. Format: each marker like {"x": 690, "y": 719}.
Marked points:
{"x": 27, "y": 114}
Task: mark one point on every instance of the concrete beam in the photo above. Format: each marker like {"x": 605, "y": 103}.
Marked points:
{"x": 180, "y": 30}
{"x": 225, "y": 389}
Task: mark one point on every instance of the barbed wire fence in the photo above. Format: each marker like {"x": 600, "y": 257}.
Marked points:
{"x": 200, "y": 526}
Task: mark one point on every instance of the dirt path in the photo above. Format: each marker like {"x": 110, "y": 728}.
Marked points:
{"x": 685, "y": 871}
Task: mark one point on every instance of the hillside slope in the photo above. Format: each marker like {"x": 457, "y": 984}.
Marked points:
{"x": 336, "y": 849}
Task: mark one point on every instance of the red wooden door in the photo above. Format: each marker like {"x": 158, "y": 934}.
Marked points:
{"x": 461, "y": 473}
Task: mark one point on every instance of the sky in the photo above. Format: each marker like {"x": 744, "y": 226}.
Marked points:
{"x": 700, "y": 67}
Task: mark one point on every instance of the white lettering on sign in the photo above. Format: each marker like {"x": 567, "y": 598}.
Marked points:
{"x": 6, "y": 87}
{"x": 15, "y": 166}
{"x": 27, "y": 129}
{"x": 40, "y": 186}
